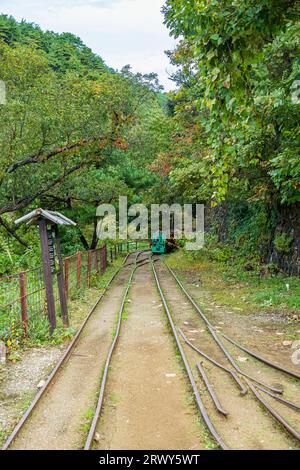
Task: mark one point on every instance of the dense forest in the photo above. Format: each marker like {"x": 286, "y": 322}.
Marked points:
{"x": 75, "y": 133}
{"x": 238, "y": 66}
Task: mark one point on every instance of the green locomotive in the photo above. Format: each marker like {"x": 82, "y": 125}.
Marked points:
{"x": 160, "y": 245}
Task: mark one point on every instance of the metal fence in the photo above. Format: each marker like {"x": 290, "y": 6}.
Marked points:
{"x": 23, "y": 297}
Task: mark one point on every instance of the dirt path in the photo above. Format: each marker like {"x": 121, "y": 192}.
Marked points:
{"x": 248, "y": 426}
{"x": 148, "y": 402}
{"x": 60, "y": 420}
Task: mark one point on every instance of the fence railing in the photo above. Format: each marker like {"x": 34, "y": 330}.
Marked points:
{"x": 23, "y": 296}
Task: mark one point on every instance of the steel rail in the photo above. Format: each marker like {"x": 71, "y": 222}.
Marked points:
{"x": 140, "y": 253}
{"x": 211, "y": 391}
{"x": 252, "y": 386}
{"x": 233, "y": 374}
{"x": 217, "y": 339}
{"x": 273, "y": 412}
{"x": 213, "y": 361}
{"x": 262, "y": 359}
{"x": 238, "y": 369}
{"x": 199, "y": 401}
{"x": 288, "y": 403}
{"x": 135, "y": 262}
{"x": 111, "y": 350}
{"x": 60, "y": 363}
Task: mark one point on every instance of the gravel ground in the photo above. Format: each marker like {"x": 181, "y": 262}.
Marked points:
{"x": 19, "y": 383}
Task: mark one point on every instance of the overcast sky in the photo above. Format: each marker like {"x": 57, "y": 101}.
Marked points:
{"x": 120, "y": 31}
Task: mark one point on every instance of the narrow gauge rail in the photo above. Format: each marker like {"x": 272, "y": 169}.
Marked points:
{"x": 70, "y": 348}
{"x": 235, "y": 371}
{"x": 244, "y": 381}
{"x": 96, "y": 417}
{"x": 201, "y": 406}
{"x": 199, "y": 401}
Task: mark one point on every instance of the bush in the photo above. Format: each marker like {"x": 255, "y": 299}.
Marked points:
{"x": 282, "y": 242}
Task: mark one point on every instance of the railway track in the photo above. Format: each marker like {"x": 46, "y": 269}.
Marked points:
{"x": 192, "y": 356}
{"x": 245, "y": 381}
{"x": 199, "y": 401}
{"x": 136, "y": 262}
{"x": 93, "y": 427}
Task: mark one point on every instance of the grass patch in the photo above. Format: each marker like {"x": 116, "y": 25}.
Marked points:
{"x": 86, "y": 420}
{"x": 231, "y": 283}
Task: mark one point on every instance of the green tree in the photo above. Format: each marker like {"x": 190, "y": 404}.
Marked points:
{"x": 237, "y": 63}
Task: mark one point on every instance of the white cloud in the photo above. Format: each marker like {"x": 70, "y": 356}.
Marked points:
{"x": 121, "y": 31}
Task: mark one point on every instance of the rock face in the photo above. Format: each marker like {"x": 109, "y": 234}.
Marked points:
{"x": 288, "y": 222}
{"x": 2, "y": 354}
{"x": 216, "y": 220}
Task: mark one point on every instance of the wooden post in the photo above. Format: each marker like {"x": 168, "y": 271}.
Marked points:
{"x": 99, "y": 257}
{"x": 103, "y": 259}
{"x": 47, "y": 275}
{"x": 67, "y": 276}
{"x": 78, "y": 268}
{"x": 89, "y": 269}
{"x": 23, "y": 302}
{"x": 96, "y": 259}
{"x": 111, "y": 254}
{"x": 61, "y": 281}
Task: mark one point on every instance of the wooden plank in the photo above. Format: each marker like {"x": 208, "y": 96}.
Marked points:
{"x": 78, "y": 268}
{"x": 61, "y": 281}
{"x": 47, "y": 275}
{"x": 23, "y": 302}
{"x": 89, "y": 269}
{"x": 67, "y": 276}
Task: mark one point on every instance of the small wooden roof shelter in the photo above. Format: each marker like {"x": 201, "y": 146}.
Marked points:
{"x": 53, "y": 218}
{"x": 48, "y": 222}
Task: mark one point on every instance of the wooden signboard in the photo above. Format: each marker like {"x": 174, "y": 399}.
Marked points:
{"x": 51, "y": 249}
{"x": 48, "y": 222}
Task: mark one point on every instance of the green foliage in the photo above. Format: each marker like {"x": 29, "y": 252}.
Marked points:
{"x": 65, "y": 51}
{"x": 11, "y": 331}
{"x": 282, "y": 242}
{"x": 237, "y": 65}
{"x": 250, "y": 227}
{"x": 73, "y": 134}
